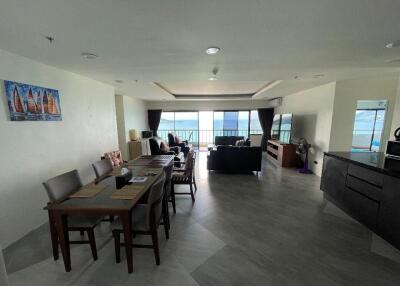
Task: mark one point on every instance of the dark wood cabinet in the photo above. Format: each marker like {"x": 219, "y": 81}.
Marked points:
{"x": 369, "y": 196}
{"x": 389, "y": 212}
{"x": 333, "y": 180}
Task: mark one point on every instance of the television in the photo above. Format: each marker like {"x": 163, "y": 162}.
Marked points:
{"x": 282, "y": 127}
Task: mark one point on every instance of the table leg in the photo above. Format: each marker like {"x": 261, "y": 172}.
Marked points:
{"x": 127, "y": 227}
{"x": 62, "y": 230}
{"x": 54, "y": 236}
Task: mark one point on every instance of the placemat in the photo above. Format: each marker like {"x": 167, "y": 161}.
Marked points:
{"x": 128, "y": 192}
{"x": 88, "y": 191}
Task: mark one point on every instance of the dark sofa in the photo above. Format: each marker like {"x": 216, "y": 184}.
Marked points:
{"x": 155, "y": 143}
{"x": 185, "y": 147}
{"x": 235, "y": 159}
{"x": 227, "y": 140}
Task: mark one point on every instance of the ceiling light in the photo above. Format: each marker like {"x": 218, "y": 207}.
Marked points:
{"x": 89, "y": 56}
{"x": 119, "y": 81}
{"x": 212, "y": 50}
{"x": 213, "y": 78}
{"x": 394, "y": 44}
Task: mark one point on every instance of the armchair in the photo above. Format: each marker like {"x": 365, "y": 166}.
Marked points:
{"x": 155, "y": 147}
{"x": 174, "y": 140}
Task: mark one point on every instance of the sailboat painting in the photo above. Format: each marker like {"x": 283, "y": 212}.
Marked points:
{"x": 32, "y": 103}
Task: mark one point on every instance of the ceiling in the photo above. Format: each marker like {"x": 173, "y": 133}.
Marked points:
{"x": 142, "y": 42}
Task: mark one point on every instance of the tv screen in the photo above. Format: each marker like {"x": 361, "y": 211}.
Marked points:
{"x": 276, "y": 125}
{"x": 285, "y": 130}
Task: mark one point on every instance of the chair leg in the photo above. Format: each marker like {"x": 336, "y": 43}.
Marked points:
{"x": 191, "y": 192}
{"x": 166, "y": 222}
{"x": 154, "y": 238}
{"x": 173, "y": 198}
{"x": 194, "y": 182}
{"x": 167, "y": 212}
{"x": 92, "y": 242}
{"x": 117, "y": 243}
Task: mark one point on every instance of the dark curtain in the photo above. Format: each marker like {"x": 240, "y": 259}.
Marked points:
{"x": 154, "y": 117}
{"x": 266, "y": 117}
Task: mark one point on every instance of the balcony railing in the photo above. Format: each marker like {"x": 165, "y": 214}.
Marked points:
{"x": 366, "y": 140}
{"x": 202, "y": 137}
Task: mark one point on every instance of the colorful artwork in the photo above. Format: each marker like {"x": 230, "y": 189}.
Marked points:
{"x": 33, "y": 103}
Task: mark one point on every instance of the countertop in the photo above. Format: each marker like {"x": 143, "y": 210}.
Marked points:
{"x": 375, "y": 161}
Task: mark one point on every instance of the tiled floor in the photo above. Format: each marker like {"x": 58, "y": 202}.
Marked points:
{"x": 274, "y": 229}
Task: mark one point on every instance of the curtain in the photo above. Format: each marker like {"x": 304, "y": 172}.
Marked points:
{"x": 154, "y": 117}
{"x": 266, "y": 117}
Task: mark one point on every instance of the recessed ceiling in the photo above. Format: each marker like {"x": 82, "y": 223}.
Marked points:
{"x": 164, "y": 41}
{"x": 213, "y": 87}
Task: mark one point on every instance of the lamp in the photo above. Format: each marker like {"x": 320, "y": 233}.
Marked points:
{"x": 133, "y": 135}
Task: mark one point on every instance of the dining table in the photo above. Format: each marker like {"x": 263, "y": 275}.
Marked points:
{"x": 107, "y": 202}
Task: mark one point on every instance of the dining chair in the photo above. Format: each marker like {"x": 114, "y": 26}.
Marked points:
{"x": 146, "y": 218}
{"x": 167, "y": 195}
{"x": 102, "y": 169}
{"x": 58, "y": 189}
{"x": 185, "y": 176}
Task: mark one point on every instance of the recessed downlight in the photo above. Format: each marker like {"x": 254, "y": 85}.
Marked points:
{"x": 394, "y": 44}
{"x": 213, "y": 50}
{"x": 89, "y": 56}
{"x": 318, "y": 75}
{"x": 119, "y": 81}
{"x": 213, "y": 78}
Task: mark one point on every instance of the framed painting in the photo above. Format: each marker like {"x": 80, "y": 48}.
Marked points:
{"x": 32, "y": 103}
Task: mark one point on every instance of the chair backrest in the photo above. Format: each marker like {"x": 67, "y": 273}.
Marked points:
{"x": 189, "y": 165}
{"x": 168, "y": 178}
{"x": 102, "y": 168}
{"x": 63, "y": 185}
{"x": 116, "y": 158}
{"x": 171, "y": 139}
{"x": 155, "y": 145}
{"x": 155, "y": 197}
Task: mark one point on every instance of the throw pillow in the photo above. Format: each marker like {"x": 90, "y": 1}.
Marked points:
{"x": 178, "y": 140}
{"x": 237, "y": 143}
{"x": 164, "y": 147}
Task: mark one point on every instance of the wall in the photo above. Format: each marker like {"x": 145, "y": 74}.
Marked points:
{"x": 131, "y": 114}
{"x": 396, "y": 114}
{"x": 312, "y": 117}
{"x": 345, "y": 105}
{"x": 206, "y": 105}
{"x": 32, "y": 152}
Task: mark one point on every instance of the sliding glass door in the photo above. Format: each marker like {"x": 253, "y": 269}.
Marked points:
{"x": 201, "y": 127}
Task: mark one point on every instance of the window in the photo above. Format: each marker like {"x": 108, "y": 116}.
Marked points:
{"x": 368, "y": 129}
{"x": 201, "y": 127}
{"x": 255, "y": 126}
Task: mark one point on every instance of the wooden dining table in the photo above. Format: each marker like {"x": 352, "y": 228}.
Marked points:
{"x": 102, "y": 204}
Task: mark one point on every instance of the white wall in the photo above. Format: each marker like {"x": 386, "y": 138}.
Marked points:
{"x": 345, "y": 105}
{"x": 396, "y": 114}
{"x": 131, "y": 114}
{"x": 32, "y": 152}
{"x": 206, "y": 105}
{"x": 312, "y": 117}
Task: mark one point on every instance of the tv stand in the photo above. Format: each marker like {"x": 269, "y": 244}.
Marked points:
{"x": 281, "y": 153}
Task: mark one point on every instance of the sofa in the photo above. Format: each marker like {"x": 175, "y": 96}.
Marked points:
{"x": 155, "y": 147}
{"x": 184, "y": 145}
{"x": 235, "y": 159}
{"x": 227, "y": 140}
